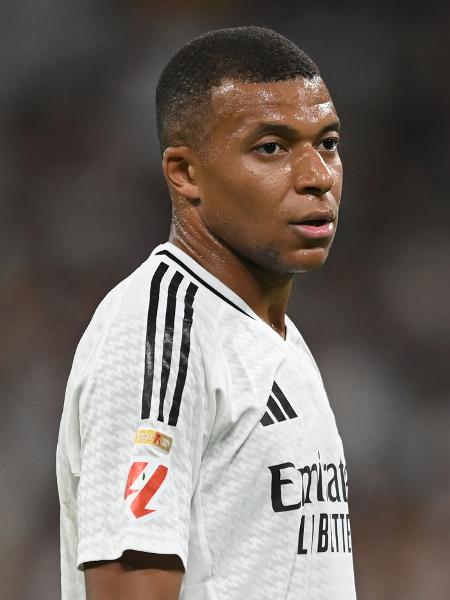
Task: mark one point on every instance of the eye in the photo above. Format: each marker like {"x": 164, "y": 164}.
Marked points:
{"x": 269, "y": 148}
{"x": 330, "y": 144}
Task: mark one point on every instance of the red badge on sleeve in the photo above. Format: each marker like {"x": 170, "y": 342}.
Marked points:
{"x": 145, "y": 481}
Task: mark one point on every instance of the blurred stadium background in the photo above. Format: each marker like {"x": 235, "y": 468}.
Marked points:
{"x": 83, "y": 202}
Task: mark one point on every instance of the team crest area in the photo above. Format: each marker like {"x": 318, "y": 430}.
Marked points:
{"x": 145, "y": 484}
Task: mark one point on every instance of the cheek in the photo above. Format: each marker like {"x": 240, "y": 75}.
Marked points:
{"x": 262, "y": 187}
{"x": 237, "y": 191}
{"x": 245, "y": 196}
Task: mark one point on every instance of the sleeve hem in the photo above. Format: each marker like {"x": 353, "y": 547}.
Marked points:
{"x": 97, "y": 551}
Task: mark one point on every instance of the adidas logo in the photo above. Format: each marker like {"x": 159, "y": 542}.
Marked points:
{"x": 278, "y": 408}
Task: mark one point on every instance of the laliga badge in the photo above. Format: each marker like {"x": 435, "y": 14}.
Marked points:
{"x": 150, "y": 437}
{"x": 145, "y": 484}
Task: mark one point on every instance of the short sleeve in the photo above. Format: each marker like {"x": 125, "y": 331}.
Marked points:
{"x": 142, "y": 431}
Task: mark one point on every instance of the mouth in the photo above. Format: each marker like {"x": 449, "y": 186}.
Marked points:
{"x": 314, "y": 222}
{"x": 315, "y": 228}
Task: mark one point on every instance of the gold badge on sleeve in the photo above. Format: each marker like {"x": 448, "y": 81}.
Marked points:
{"x": 150, "y": 437}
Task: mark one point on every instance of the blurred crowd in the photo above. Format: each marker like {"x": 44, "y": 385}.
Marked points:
{"x": 83, "y": 203}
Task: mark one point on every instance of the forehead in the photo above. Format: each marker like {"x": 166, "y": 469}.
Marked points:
{"x": 301, "y": 102}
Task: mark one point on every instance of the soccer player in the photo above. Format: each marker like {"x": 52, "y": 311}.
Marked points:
{"x": 198, "y": 456}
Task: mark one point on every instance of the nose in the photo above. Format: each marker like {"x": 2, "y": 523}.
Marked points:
{"x": 311, "y": 174}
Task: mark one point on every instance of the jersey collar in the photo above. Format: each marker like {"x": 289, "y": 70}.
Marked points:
{"x": 190, "y": 265}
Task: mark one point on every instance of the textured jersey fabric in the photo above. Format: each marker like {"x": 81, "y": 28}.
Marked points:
{"x": 190, "y": 427}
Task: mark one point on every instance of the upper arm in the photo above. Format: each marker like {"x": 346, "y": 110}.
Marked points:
{"x": 137, "y": 575}
{"x": 142, "y": 418}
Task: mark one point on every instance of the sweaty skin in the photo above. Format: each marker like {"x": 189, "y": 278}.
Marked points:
{"x": 269, "y": 160}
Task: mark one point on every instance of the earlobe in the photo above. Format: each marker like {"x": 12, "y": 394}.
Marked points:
{"x": 180, "y": 172}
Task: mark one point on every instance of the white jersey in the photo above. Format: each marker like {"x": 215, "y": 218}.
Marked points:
{"x": 190, "y": 427}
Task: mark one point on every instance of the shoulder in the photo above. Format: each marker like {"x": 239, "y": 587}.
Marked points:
{"x": 161, "y": 301}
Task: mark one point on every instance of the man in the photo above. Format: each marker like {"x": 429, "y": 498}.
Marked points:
{"x": 198, "y": 455}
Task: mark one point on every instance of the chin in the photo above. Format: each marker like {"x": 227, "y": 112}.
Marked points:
{"x": 300, "y": 261}
{"x": 309, "y": 260}
{"x": 303, "y": 261}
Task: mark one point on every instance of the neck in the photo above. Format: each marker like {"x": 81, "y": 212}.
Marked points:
{"x": 265, "y": 292}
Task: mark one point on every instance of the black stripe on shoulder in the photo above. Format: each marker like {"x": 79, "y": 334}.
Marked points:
{"x": 283, "y": 401}
{"x": 202, "y": 281}
{"x": 150, "y": 339}
{"x": 184, "y": 353}
{"x": 266, "y": 420}
{"x": 168, "y": 339}
{"x": 275, "y": 409}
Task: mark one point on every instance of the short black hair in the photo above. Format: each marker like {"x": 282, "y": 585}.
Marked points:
{"x": 249, "y": 54}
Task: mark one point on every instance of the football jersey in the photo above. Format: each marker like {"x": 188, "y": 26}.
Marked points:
{"x": 190, "y": 427}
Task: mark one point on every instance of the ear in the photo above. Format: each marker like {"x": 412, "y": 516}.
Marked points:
{"x": 180, "y": 172}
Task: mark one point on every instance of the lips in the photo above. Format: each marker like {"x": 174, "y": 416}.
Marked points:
{"x": 319, "y": 224}
{"x": 315, "y": 222}
{"x": 317, "y": 218}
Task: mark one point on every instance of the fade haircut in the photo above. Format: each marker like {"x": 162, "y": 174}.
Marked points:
{"x": 248, "y": 54}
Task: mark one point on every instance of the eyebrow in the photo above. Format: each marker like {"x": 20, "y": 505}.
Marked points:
{"x": 288, "y": 132}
